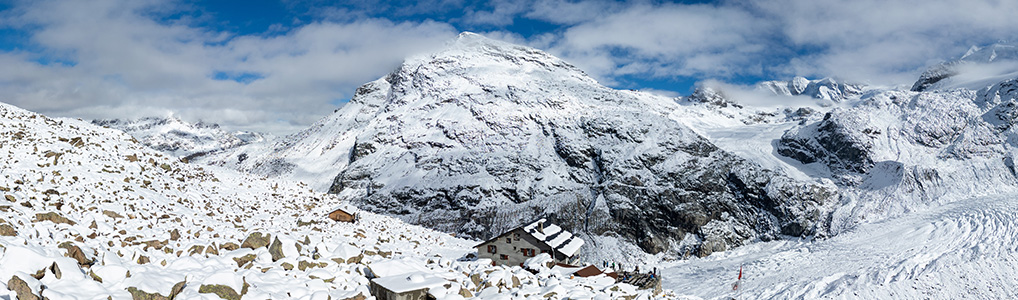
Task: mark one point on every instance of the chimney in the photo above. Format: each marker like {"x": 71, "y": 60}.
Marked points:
{"x": 540, "y": 226}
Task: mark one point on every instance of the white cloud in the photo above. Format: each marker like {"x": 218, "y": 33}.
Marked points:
{"x": 752, "y": 97}
{"x": 571, "y": 12}
{"x": 502, "y": 13}
{"x": 886, "y": 41}
{"x": 665, "y": 40}
{"x": 127, "y": 63}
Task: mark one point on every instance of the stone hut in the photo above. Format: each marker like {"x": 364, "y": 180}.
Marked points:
{"x": 516, "y": 246}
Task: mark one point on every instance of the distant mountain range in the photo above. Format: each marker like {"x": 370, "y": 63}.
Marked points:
{"x": 826, "y": 88}
{"x": 179, "y": 138}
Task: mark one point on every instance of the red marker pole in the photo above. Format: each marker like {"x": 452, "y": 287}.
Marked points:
{"x": 738, "y": 281}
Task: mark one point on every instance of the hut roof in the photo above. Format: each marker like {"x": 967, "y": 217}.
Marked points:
{"x": 588, "y": 271}
{"x": 552, "y": 235}
{"x": 345, "y": 208}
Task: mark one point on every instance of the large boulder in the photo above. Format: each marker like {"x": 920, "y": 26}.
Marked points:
{"x": 256, "y": 240}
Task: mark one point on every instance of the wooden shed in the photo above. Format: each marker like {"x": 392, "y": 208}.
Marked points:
{"x": 342, "y": 215}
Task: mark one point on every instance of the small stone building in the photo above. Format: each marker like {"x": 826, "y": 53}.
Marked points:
{"x": 516, "y": 246}
{"x": 340, "y": 214}
{"x": 412, "y": 286}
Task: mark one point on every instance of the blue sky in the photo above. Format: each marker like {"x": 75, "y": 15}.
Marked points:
{"x": 278, "y": 66}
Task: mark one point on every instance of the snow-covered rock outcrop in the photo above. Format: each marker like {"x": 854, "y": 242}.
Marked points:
{"x": 712, "y": 96}
{"x": 901, "y": 150}
{"x": 486, "y": 135}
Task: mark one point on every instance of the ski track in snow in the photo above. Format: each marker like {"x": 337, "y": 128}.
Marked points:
{"x": 965, "y": 249}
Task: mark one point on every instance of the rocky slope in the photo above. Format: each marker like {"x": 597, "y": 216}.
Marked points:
{"x": 485, "y": 136}
{"x": 178, "y": 138}
{"x": 90, "y": 213}
{"x": 899, "y": 151}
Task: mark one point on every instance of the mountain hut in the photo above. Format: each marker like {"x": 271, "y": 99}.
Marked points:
{"x": 516, "y": 246}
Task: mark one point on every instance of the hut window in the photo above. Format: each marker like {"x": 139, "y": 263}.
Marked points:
{"x": 492, "y": 249}
{"x": 528, "y": 252}
{"x": 504, "y": 257}
{"x": 508, "y": 240}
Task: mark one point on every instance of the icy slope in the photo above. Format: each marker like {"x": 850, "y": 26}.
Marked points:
{"x": 179, "y": 138}
{"x": 486, "y": 135}
{"x": 967, "y": 249}
{"x": 90, "y": 213}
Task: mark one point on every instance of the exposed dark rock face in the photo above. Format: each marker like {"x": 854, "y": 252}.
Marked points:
{"x": 834, "y": 142}
{"x": 934, "y": 75}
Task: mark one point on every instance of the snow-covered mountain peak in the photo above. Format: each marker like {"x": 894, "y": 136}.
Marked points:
{"x": 477, "y": 52}
{"x": 476, "y": 67}
{"x": 476, "y": 61}
{"x": 978, "y": 68}
{"x": 991, "y": 53}
{"x": 709, "y": 94}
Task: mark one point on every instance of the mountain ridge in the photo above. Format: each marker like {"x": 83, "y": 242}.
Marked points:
{"x": 474, "y": 138}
